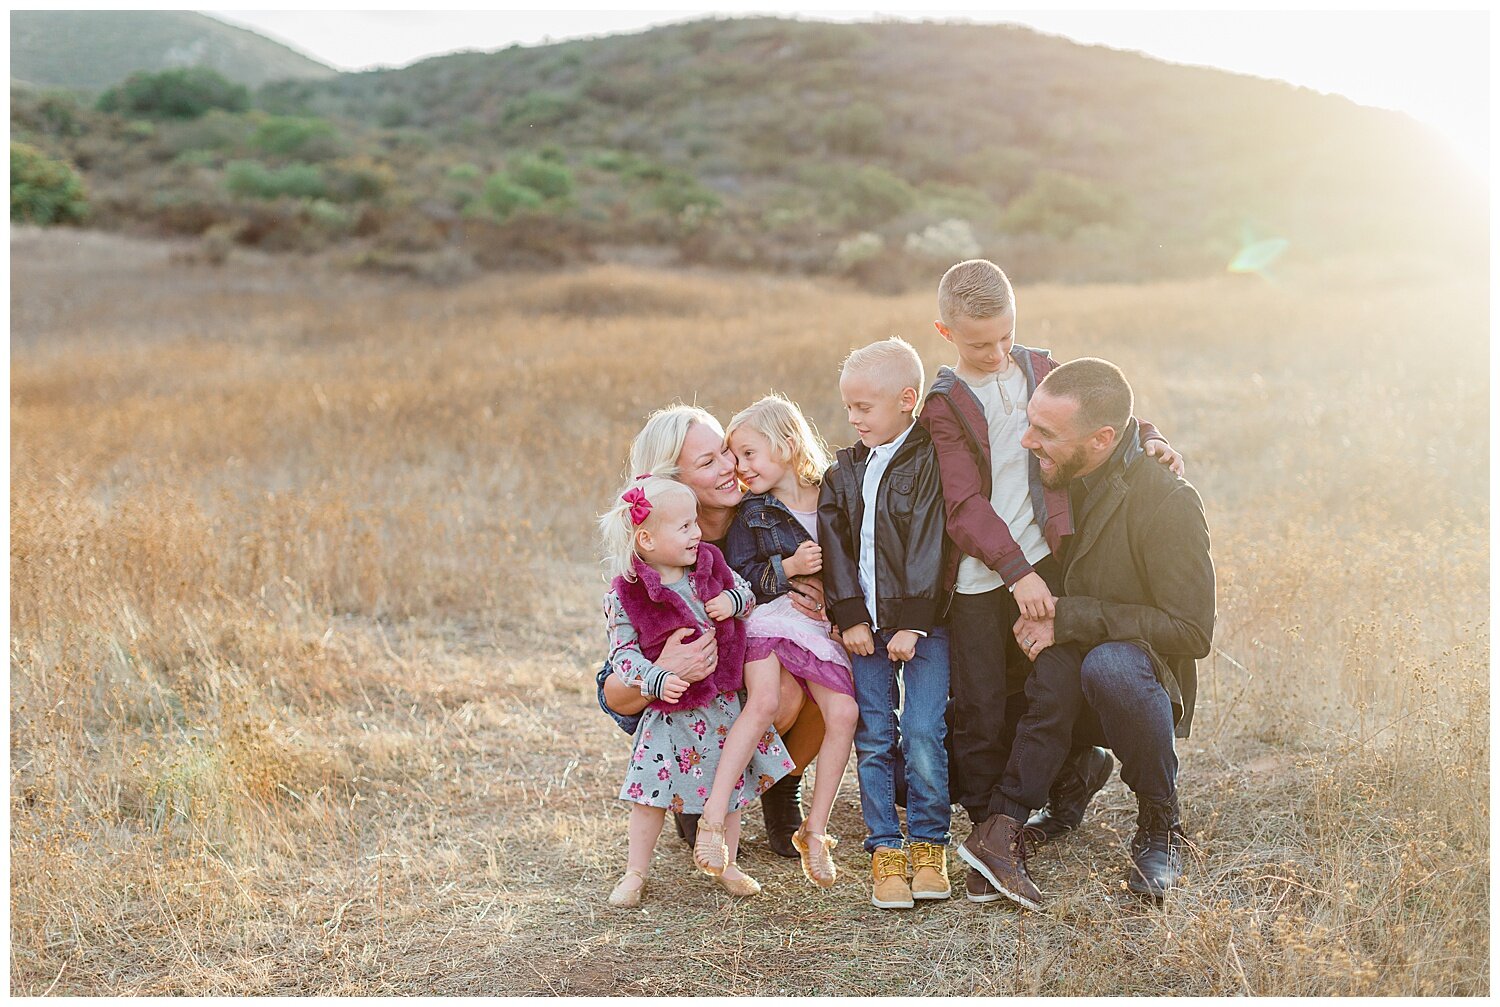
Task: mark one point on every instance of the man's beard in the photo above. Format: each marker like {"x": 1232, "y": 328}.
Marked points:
{"x": 1065, "y": 469}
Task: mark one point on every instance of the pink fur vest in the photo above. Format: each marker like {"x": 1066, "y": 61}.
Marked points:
{"x": 656, "y": 612}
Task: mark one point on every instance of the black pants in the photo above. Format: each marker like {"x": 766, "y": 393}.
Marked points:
{"x": 987, "y": 676}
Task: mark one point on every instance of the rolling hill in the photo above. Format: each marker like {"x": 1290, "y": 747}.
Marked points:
{"x": 878, "y": 150}
{"x": 93, "y": 50}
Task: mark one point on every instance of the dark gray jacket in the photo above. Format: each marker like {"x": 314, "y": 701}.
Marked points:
{"x": 1137, "y": 569}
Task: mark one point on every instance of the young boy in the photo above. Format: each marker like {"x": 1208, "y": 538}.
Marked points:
{"x": 1006, "y": 526}
{"x": 880, "y": 521}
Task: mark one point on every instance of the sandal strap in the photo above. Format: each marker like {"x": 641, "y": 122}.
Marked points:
{"x": 706, "y": 827}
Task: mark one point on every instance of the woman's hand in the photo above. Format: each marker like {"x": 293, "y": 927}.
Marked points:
{"x": 808, "y": 559}
{"x": 691, "y": 662}
{"x": 1167, "y": 455}
{"x": 807, "y": 597}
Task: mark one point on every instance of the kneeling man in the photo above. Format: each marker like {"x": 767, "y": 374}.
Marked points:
{"x": 1117, "y": 661}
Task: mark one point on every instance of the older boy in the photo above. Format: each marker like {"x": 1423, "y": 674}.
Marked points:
{"x": 880, "y": 520}
{"x": 1007, "y": 526}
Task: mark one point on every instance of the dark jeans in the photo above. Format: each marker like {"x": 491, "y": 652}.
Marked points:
{"x": 1111, "y": 690}
{"x": 989, "y": 672}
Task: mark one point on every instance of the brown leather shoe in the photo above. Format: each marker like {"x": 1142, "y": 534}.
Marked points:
{"x": 997, "y": 849}
{"x": 977, "y": 888}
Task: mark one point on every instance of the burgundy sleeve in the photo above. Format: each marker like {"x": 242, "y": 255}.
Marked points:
{"x": 973, "y": 524}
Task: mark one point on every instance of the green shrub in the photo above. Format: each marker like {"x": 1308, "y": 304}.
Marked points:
{"x": 42, "y": 190}
{"x": 540, "y": 109}
{"x": 856, "y": 130}
{"x": 251, "y": 178}
{"x": 543, "y": 176}
{"x": 329, "y": 215}
{"x": 464, "y": 172}
{"x": 359, "y": 179}
{"x": 215, "y": 130}
{"x": 184, "y": 93}
{"x": 678, "y": 192}
{"x": 504, "y": 196}
{"x": 292, "y": 136}
{"x": 1058, "y": 204}
{"x": 864, "y": 197}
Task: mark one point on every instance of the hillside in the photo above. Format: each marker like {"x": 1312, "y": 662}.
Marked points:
{"x": 876, "y": 150}
{"x": 93, "y": 50}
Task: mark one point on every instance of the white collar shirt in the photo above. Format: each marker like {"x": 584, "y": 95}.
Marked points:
{"x": 880, "y": 460}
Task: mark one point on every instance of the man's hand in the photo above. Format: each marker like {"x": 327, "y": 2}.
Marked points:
{"x": 807, "y": 598}
{"x": 1035, "y": 635}
{"x": 903, "y": 646}
{"x": 672, "y": 688}
{"x": 1034, "y": 598}
{"x": 1167, "y": 455}
{"x": 859, "y": 640}
{"x": 691, "y": 662}
{"x": 808, "y": 559}
{"x": 720, "y": 607}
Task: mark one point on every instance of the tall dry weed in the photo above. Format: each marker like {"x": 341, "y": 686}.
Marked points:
{"x": 304, "y": 619}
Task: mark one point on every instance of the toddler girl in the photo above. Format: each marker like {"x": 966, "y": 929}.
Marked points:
{"x": 665, "y": 579}
{"x": 775, "y": 537}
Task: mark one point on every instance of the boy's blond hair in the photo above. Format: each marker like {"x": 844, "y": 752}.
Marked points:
{"x": 893, "y": 363}
{"x": 618, "y": 530}
{"x": 974, "y": 288}
{"x": 779, "y": 420}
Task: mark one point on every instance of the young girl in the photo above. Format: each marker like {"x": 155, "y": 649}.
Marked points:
{"x": 774, "y": 537}
{"x": 666, "y": 578}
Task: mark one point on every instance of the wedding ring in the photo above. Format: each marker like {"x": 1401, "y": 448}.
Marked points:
{"x": 1027, "y": 643}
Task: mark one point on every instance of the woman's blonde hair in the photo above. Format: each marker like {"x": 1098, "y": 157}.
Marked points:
{"x": 793, "y": 439}
{"x": 659, "y": 444}
{"x": 618, "y": 528}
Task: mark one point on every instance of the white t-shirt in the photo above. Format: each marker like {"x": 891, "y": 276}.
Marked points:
{"x": 1010, "y": 490}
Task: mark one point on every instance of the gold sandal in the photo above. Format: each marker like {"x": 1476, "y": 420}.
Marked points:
{"x": 742, "y": 885}
{"x": 816, "y": 851}
{"x": 710, "y": 851}
{"x": 628, "y": 898}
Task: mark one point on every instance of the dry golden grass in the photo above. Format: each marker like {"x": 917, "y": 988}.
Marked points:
{"x": 304, "y": 625}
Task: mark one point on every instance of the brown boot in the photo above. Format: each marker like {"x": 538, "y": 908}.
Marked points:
{"x": 929, "y": 876}
{"x": 889, "y": 868}
{"x": 977, "y": 888}
{"x": 997, "y": 849}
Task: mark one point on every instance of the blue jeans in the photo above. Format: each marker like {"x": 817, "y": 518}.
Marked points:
{"x": 1110, "y": 690}
{"x": 881, "y": 741}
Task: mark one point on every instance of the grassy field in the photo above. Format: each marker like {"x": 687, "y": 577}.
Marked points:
{"x": 304, "y": 619}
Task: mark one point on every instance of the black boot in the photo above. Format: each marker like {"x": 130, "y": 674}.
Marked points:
{"x": 782, "y": 807}
{"x": 1156, "y": 850}
{"x": 687, "y": 827}
{"x": 1083, "y": 775}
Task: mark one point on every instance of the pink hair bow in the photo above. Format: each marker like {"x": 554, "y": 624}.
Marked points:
{"x": 640, "y": 507}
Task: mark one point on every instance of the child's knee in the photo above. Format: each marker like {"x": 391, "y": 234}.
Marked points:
{"x": 841, "y": 712}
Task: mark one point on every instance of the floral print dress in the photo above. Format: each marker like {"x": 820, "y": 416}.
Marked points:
{"x": 674, "y": 755}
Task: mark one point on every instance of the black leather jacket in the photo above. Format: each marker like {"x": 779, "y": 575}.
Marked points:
{"x": 909, "y": 538}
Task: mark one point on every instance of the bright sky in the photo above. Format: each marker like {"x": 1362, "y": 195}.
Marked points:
{"x": 1433, "y": 66}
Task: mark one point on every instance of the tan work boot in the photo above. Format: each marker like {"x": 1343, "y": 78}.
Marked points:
{"x": 929, "y": 863}
{"x": 891, "y": 890}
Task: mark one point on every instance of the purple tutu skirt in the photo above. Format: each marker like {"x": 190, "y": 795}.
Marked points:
{"x": 801, "y": 644}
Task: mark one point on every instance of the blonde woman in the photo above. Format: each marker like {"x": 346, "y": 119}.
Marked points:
{"x": 687, "y": 444}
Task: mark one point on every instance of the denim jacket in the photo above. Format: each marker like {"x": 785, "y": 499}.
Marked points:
{"x": 764, "y": 533}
